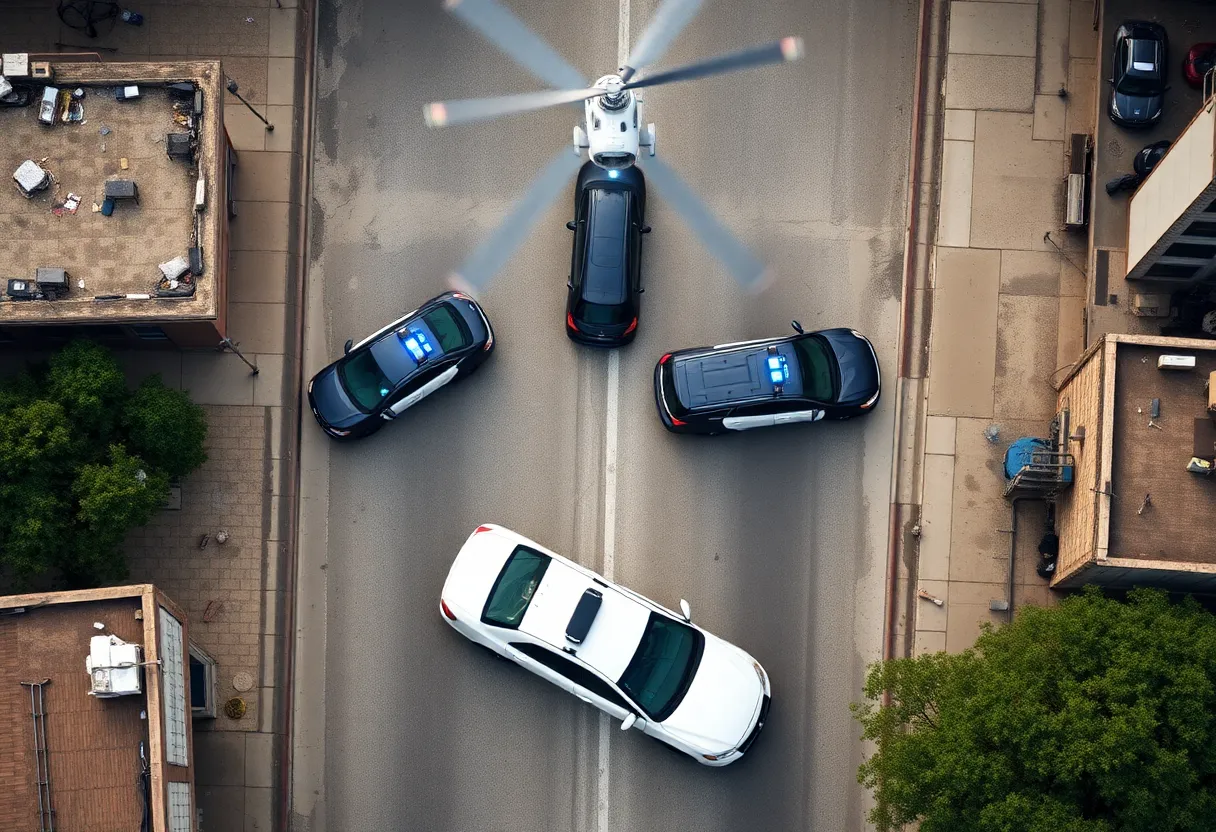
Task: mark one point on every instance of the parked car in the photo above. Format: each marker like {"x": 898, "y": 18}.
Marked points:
{"x": 603, "y": 303}
{"x": 1199, "y": 59}
{"x": 635, "y": 660}
{"x": 391, "y": 370}
{"x": 809, "y": 376}
{"x": 1138, "y": 74}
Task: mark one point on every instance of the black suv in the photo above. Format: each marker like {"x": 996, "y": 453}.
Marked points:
{"x": 378, "y": 379}
{"x": 806, "y": 377}
{"x": 1138, "y": 74}
{"x": 606, "y": 264}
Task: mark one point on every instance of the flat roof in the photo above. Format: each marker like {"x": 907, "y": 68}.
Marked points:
{"x": 1152, "y": 460}
{"x": 92, "y": 744}
{"x": 117, "y": 254}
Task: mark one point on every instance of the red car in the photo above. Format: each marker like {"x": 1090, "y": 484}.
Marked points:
{"x": 1199, "y": 59}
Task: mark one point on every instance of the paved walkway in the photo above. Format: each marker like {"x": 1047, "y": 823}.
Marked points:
{"x": 1006, "y": 305}
{"x": 241, "y": 488}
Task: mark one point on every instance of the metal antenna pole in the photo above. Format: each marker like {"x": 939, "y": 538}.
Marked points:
{"x": 227, "y": 343}
{"x": 232, "y": 88}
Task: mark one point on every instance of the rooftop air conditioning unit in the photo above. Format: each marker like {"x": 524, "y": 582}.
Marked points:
{"x": 1075, "y": 214}
{"x": 113, "y": 667}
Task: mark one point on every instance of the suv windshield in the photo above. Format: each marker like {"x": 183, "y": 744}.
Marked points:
{"x": 512, "y": 591}
{"x": 818, "y": 368}
{"x": 661, "y": 670}
{"x": 364, "y": 380}
{"x": 448, "y": 328}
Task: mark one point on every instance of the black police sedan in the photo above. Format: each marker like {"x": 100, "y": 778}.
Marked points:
{"x": 1138, "y": 74}
{"x": 809, "y": 376}
{"x": 378, "y": 379}
{"x": 602, "y": 305}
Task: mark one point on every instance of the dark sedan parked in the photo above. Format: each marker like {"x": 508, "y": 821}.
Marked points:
{"x": 378, "y": 379}
{"x": 1138, "y": 74}
{"x": 602, "y": 305}
{"x": 809, "y": 376}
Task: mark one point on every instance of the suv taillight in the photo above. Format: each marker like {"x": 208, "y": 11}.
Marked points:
{"x": 443, "y": 605}
{"x": 632, "y": 326}
{"x": 481, "y": 529}
{"x": 663, "y": 360}
{"x": 570, "y": 322}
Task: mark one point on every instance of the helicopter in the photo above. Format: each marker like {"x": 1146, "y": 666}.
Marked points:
{"x": 612, "y": 131}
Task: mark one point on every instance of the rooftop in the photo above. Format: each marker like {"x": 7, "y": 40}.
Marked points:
{"x": 93, "y": 744}
{"x": 119, "y": 254}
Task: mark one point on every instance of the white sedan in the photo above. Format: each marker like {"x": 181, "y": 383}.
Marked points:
{"x": 637, "y": 661}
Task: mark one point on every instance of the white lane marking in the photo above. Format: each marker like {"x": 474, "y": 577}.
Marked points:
{"x": 622, "y": 34}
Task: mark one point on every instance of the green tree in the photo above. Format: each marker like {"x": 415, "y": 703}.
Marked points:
{"x": 166, "y": 428}
{"x": 1094, "y": 716}
{"x": 82, "y": 461}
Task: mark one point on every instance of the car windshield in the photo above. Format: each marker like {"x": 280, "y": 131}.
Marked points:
{"x": 1139, "y": 85}
{"x": 661, "y": 670}
{"x": 364, "y": 380}
{"x": 448, "y": 328}
{"x": 512, "y": 592}
{"x": 598, "y": 313}
{"x": 818, "y": 368}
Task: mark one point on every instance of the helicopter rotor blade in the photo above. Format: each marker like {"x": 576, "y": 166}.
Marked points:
{"x": 744, "y": 266}
{"x": 493, "y": 253}
{"x": 448, "y": 113}
{"x": 670, "y": 19}
{"x": 779, "y": 51}
{"x": 506, "y": 31}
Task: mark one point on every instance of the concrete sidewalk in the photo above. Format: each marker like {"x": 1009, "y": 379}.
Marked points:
{"x": 1007, "y": 306}
{"x": 232, "y": 593}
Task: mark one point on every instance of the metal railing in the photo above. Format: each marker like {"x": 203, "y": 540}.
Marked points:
{"x": 1047, "y": 473}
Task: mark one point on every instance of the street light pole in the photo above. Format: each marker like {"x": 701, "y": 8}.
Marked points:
{"x": 232, "y": 88}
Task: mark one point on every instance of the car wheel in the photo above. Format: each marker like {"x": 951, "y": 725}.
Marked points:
{"x": 493, "y": 652}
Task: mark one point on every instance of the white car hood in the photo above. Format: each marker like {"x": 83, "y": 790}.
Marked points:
{"x": 722, "y": 701}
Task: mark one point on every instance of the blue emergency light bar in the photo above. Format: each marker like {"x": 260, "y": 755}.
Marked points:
{"x": 419, "y": 347}
{"x": 778, "y": 369}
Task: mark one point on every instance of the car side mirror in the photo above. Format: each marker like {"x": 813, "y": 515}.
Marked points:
{"x": 685, "y": 610}
{"x": 569, "y": 283}
{"x": 570, "y": 225}
{"x": 628, "y": 721}
{"x": 641, "y": 289}
{"x": 645, "y": 229}
{"x": 346, "y": 347}
{"x": 797, "y": 327}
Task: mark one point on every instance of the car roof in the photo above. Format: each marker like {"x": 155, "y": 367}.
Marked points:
{"x": 395, "y": 351}
{"x": 731, "y": 376}
{"x": 1144, "y": 57}
{"x": 604, "y": 266}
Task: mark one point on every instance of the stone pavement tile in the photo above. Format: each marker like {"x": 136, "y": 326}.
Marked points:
{"x": 1012, "y": 169}
{"x": 283, "y": 33}
{"x": 259, "y": 809}
{"x": 1033, "y": 595}
{"x": 1030, "y": 273}
{"x": 261, "y": 761}
{"x": 268, "y": 384}
{"x": 260, "y": 226}
{"x": 276, "y": 431}
{"x": 937, "y": 501}
{"x": 264, "y": 177}
{"x": 1082, "y": 96}
{"x": 270, "y": 656}
{"x": 1053, "y": 45}
{"x": 963, "y": 356}
{"x": 960, "y": 125}
{"x": 1026, "y": 357}
{"x": 1082, "y": 39}
{"x": 990, "y": 82}
{"x": 928, "y": 641}
{"x": 1070, "y": 337}
{"x": 954, "y": 210}
{"x": 1050, "y": 112}
{"x": 281, "y": 80}
{"x": 139, "y": 364}
{"x": 244, "y": 129}
{"x": 980, "y": 512}
{"x": 270, "y": 622}
{"x": 222, "y": 807}
{"x": 257, "y": 276}
{"x": 969, "y": 609}
{"x": 257, "y": 327}
{"x": 223, "y": 30}
{"x": 266, "y": 720}
{"x": 251, "y": 78}
{"x": 939, "y": 435}
{"x": 283, "y": 118}
{"x": 219, "y": 758}
{"x": 216, "y": 378}
{"x": 929, "y": 616}
{"x": 908, "y": 484}
{"x": 993, "y": 28}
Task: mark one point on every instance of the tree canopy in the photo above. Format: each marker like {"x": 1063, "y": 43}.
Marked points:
{"x": 83, "y": 459}
{"x": 1097, "y": 715}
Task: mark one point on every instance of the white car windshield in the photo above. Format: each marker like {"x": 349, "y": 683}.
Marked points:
{"x": 663, "y": 667}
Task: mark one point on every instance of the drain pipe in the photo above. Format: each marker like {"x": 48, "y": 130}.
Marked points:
{"x": 1013, "y": 546}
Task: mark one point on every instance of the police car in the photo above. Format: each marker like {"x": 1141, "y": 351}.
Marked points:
{"x": 390, "y": 371}
{"x": 635, "y": 660}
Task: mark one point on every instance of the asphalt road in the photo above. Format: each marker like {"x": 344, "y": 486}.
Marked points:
{"x": 777, "y": 539}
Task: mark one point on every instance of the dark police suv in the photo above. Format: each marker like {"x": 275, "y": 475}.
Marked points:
{"x": 378, "y": 379}
{"x": 809, "y": 376}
